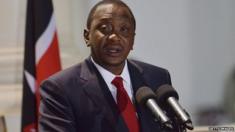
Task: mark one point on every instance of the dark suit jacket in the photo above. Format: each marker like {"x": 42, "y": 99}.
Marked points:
{"x": 78, "y": 100}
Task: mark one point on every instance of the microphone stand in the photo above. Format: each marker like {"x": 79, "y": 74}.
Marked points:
{"x": 182, "y": 126}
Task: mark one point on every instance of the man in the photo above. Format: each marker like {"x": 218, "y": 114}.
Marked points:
{"x": 88, "y": 96}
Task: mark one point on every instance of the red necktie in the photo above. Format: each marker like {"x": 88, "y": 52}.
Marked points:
{"x": 125, "y": 106}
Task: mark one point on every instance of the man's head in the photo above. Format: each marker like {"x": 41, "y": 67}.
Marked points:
{"x": 119, "y": 2}
{"x": 110, "y": 34}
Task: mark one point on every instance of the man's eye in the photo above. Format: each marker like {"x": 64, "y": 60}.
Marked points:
{"x": 106, "y": 29}
{"x": 125, "y": 31}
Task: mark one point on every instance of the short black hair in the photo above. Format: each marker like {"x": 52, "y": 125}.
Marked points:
{"x": 103, "y": 2}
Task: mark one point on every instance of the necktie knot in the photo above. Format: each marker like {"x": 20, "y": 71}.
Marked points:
{"x": 118, "y": 82}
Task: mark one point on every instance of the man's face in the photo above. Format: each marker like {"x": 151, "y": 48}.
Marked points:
{"x": 111, "y": 35}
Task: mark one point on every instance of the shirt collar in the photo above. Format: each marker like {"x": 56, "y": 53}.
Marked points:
{"x": 108, "y": 76}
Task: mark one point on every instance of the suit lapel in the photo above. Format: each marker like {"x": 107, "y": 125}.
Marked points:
{"x": 97, "y": 90}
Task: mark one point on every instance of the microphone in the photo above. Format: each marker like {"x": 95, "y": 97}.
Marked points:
{"x": 166, "y": 95}
{"x": 146, "y": 97}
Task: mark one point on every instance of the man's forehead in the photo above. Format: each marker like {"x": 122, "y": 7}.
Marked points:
{"x": 104, "y": 8}
{"x": 113, "y": 10}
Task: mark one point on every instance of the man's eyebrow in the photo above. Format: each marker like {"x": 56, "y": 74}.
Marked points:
{"x": 105, "y": 20}
{"x": 125, "y": 17}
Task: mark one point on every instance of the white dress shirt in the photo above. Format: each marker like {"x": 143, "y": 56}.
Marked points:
{"x": 108, "y": 78}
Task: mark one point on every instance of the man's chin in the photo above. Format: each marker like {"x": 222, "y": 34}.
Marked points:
{"x": 115, "y": 62}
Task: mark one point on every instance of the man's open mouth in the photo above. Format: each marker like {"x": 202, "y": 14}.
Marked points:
{"x": 113, "y": 50}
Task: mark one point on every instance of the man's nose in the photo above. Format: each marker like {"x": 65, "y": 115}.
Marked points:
{"x": 114, "y": 37}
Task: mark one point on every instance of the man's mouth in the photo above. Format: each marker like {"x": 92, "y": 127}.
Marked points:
{"x": 113, "y": 50}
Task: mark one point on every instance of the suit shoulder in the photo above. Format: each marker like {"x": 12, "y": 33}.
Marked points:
{"x": 153, "y": 75}
{"x": 65, "y": 77}
{"x": 147, "y": 67}
{"x": 67, "y": 74}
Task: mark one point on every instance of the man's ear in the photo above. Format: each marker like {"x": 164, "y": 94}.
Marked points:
{"x": 86, "y": 37}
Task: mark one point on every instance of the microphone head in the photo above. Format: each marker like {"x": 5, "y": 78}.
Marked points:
{"x": 143, "y": 94}
{"x": 165, "y": 91}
